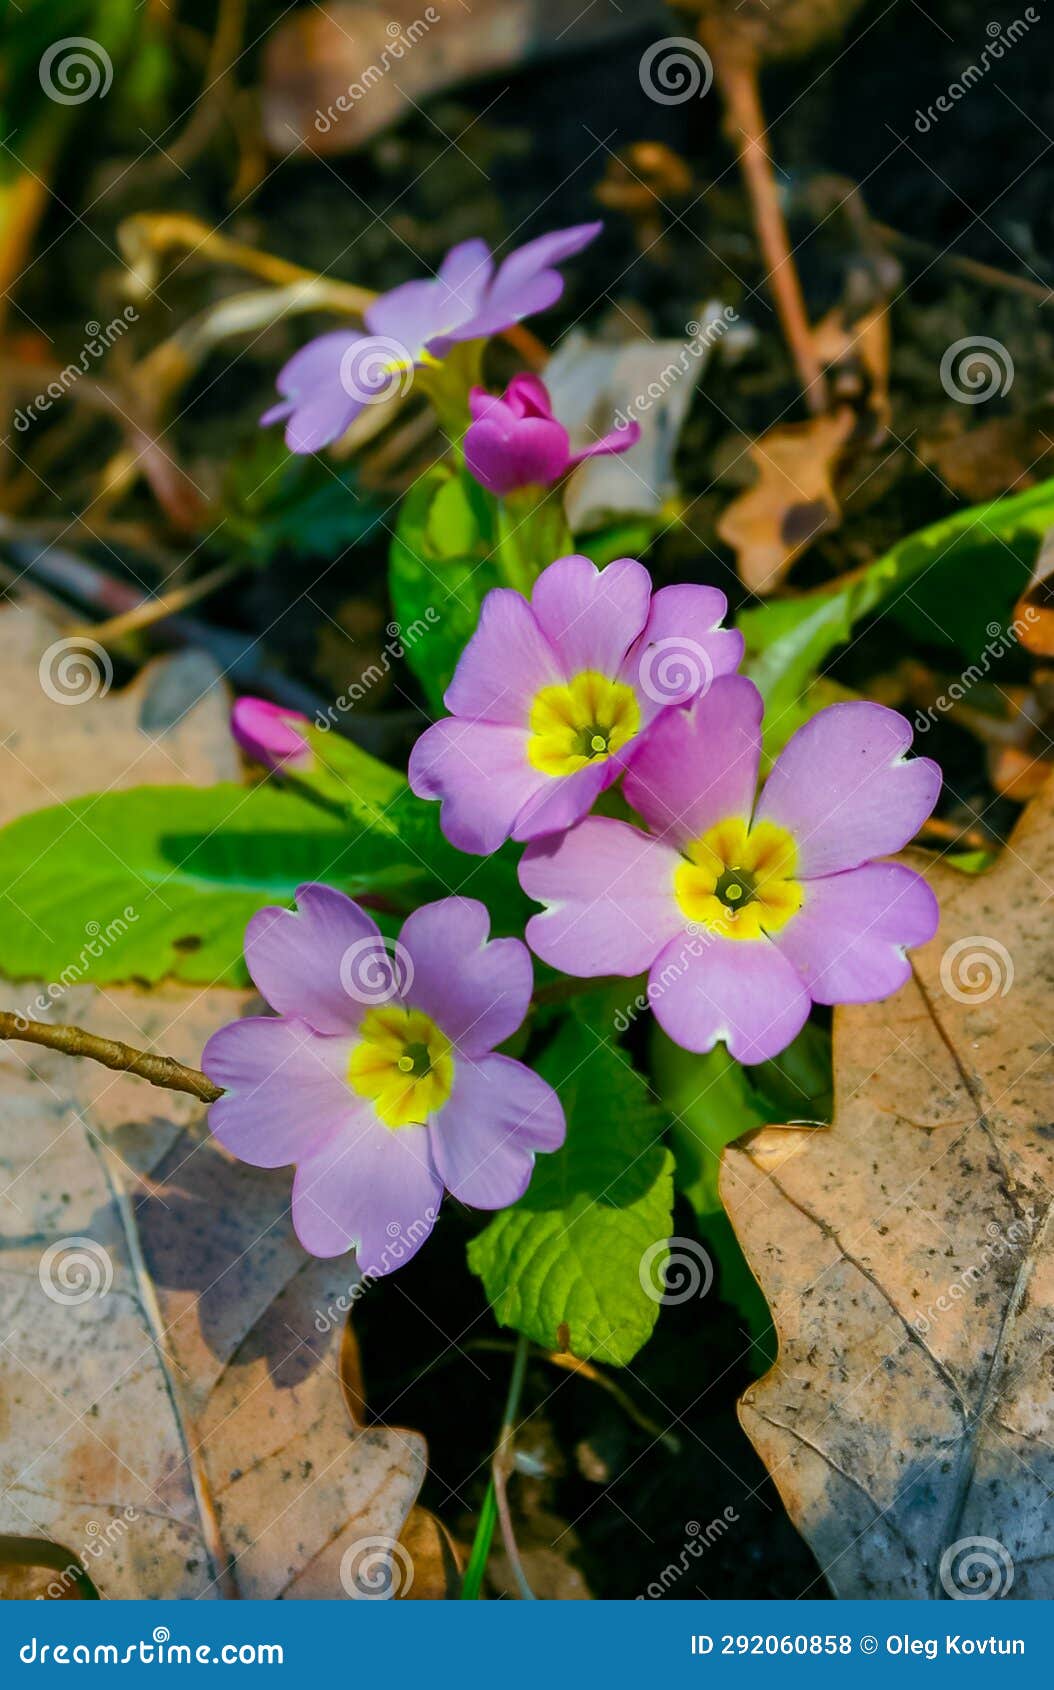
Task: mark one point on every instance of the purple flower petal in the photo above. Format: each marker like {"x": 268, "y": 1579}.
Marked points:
{"x": 847, "y": 940}
{"x": 369, "y": 1187}
{"x": 744, "y": 991}
{"x": 270, "y": 734}
{"x": 609, "y": 445}
{"x": 610, "y": 894}
{"x": 528, "y": 395}
{"x": 507, "y": 455}
{"x": 325, "y": 962}
{"x": 699, "y": 765}
{"x": 476, "y": 989}
{"x": 318, "y": 406}
{"x": 844, "y": 789}
{"x": 285, "y": 1093}
{"x": 562, "y": 801}
{"x": 592, "y": 616}
{"x": 481, "y": 773}
{"x": 499, "y": 1113}
{"x": 528, "y": 281}
{"x": 466, "y": 271}
{"x": 506, "y": 662}
{"x": 683, "y": 648}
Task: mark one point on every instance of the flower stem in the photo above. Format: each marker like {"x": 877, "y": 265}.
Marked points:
{"x": 502, "y": 1465}
{"x": 75, "y": 1041}
{"x": 495, "y": 1502}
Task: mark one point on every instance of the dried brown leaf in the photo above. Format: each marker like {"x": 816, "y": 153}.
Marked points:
{"x": 792, "y": 502}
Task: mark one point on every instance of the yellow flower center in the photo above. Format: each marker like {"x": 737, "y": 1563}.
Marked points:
{"x": 737, "y": 881}
{"x": 581, "y": 721}
{"x": 403, "y": 1064}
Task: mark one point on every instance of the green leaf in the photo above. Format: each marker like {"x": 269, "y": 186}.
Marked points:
{"x": 162, "y": 880}
{"x": 568, "y": 1255}
{"x": 276, "y": 502}
{"x": 946, "y": 582}
{"x": 441, "y": 567}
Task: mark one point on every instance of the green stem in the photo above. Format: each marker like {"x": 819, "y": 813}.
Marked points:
{"x": 495, "y": 1506}
{"x": 477, "y": 1562}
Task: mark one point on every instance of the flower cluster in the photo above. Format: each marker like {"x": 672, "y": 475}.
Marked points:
{"x": 596, "y": 678}
{"x": 378, "y": 1076}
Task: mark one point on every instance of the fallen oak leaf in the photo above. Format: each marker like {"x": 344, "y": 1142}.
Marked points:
{"x": 906, "y": 1255}
{"x": 792, "y": 501}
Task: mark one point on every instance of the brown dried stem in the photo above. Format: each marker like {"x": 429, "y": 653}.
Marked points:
{"x": 162, "y": 1071}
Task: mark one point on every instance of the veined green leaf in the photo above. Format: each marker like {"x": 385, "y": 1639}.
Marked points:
{"x": 568, "y": 1255}
{"x": 948, "y": 582}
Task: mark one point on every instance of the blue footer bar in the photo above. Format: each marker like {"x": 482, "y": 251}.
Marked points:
{"x": 536, "y": 1644}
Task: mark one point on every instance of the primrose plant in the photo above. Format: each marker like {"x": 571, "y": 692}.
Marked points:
{"x": 586, "y": 791}
{"x": 378, "y": 1076}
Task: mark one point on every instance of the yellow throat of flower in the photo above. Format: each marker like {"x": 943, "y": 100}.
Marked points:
{"x": 581, "y": 721}
{"x": 738, "y": 881}
{"x": 403, "y": 1064}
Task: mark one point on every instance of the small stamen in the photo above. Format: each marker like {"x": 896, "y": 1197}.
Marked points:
{"x": 406, "y": 1064}
{"x": 598, "y": 743}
